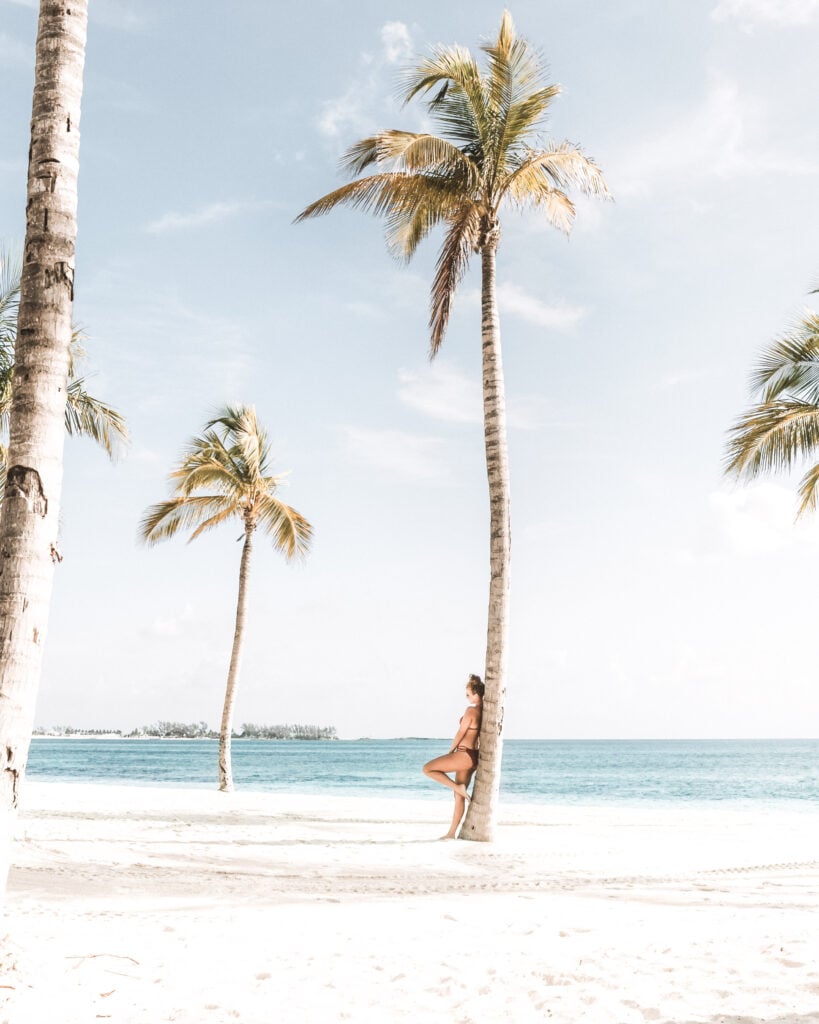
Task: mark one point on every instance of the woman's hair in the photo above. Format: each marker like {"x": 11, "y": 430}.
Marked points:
{"x": 476, "y": 686}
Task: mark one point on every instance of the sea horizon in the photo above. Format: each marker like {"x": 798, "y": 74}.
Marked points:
{"x": 638, "y": 771}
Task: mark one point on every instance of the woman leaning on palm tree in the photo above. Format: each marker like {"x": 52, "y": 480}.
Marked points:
{"x": 490, "y": 155}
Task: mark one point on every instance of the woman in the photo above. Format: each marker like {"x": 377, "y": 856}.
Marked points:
{"x": 463, "y": 758}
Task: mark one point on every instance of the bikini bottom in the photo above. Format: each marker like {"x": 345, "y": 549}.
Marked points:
{"x": 472, "y": 753}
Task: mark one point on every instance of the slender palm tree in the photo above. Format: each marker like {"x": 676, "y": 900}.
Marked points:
{"x": 490, "y": 155}
{"x": 782, "y": 429}
{"x": 85, "y": 415}
{"x": 29, "y": 514}
{"x": 224, "y": 475}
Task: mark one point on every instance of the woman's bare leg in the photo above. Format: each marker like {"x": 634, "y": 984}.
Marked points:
{"x": 459, "y": 762}
{"x": 460, "y": 804}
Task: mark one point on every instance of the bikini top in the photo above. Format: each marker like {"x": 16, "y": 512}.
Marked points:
{"x": 469, "y": 728}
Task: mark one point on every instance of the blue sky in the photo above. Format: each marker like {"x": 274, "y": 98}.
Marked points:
{"x": 650, "y": 598}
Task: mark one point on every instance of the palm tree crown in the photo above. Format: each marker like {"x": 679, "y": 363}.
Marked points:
{"x": 783, "y": 428}
{"x": 490, "y": 152}
{"x": 229, "y": 462}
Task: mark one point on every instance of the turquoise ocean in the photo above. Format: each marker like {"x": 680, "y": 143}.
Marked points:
{"x": 534, "y": 771}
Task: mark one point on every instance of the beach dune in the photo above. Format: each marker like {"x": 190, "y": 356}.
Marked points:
{"x": 140, "y": 905}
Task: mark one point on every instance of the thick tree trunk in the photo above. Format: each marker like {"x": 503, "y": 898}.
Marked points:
{"x": 480, "y": 819}
{"x": 31, "y": 500}
{"x": 226, "y": 728}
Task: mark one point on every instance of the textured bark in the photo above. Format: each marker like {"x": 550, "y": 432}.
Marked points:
{"x": 226, "y": 728}
{"x": 31, "y": 502}
{"x": 481, "y": 816}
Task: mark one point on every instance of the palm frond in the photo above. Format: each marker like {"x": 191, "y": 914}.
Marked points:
{"x": 11, "y": 267}
{"x": 215, "y": 474}
{"x": 252, "y": 441}
{"x": 166, "y": 518}
{"x": 215, "y": 520}
{"x": 405, "y": 232}
{"x": 389, "y": 194}
{"x": 809, "y": 491}
{"x": 531, "y": 188}
{"x": 208, "y": 453}
{"x": 455, "y": 73}
{"x": 790, "y": 366}
{"x": 250, "y": 446}
{"x": 290, "y": 531}
{"x": 772, "y": 436}
{"x": 563, "y": 165}
{"x": 410, "y": 151}
{"x": 87, "y": 416}
{"x": 460, "y": 242}
{"x": 518, "y": 94}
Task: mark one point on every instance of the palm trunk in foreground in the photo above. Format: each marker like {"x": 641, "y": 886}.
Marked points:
{"x": 31, "y": 499}
{"x": 480, "y": 819}
{"x": 226, "y": 728}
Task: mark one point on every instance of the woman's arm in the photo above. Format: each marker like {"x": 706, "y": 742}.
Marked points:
{"x": 467, "y": 720}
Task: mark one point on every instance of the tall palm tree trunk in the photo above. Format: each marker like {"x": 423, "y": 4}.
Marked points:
{"x": 31, "y": 501}
{"x": 480, "y": 820}
{"x": 225, "y": 766}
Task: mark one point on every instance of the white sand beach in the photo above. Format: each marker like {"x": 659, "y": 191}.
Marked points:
{"x": 144, "y": 905}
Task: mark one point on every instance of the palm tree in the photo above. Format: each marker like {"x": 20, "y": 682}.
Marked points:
{"x": 782, "y": 429}
{"x": 29, "y": 514}
{"x": 223, "y": 475}
{"x": 490, "y": 155}
{"x": 85, "y": 415}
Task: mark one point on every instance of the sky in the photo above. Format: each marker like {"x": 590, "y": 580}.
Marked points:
{"x": 650, "y": 596}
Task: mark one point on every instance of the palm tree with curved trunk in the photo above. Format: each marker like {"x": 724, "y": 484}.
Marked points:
{"x": 30, "y": 510}
{"x": 85, "y": 415}
{"x": 491, "y": 155}
{"x": 223, "y": 475}
{"x": 782, "y": 429}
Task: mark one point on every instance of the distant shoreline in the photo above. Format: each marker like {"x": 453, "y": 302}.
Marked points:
{"x": 185, "y": 739}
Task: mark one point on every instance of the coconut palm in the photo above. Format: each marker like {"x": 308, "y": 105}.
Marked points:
{"x": 85, "y": 415}
{"x": 490, "y": 155}
{"x": 782, "y": 429}
{"x": 223, "y": 475}
{"x": 29, "y": 514}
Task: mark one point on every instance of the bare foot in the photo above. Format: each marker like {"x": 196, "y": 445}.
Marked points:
{"x": 444, "y": 838}
{"x": 461, "y": 791}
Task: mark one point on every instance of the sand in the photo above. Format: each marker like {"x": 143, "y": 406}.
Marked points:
{"x": 146, "y": 905}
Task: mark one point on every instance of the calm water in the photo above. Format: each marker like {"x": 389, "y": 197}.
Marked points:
{"x": 570, "y": 771}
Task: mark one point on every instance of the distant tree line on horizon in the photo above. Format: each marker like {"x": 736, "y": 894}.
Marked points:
{"x": 201, "y": 731}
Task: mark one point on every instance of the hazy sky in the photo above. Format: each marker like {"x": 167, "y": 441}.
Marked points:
{"x": 650, "y": 598}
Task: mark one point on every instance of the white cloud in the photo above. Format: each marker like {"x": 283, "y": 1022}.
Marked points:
{"x": 558, "y": 316}
{"x": 766, "y": 12}
{"x": 516, "y": 301}
{"x": 396, "y": 40}
{"x": 409, "y": 456}
{"x": 173, "y": 625}
{"x": 759, "y": 520}
{"x": 210, "y": 214}
{"x": 724, "y": 137}
{"x": 345, "y": 115}
{"x": 442, "y": 392}
{"x": 366, "y": 103}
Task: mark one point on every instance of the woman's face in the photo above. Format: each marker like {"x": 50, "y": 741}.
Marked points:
{"x": 470, "y": 696}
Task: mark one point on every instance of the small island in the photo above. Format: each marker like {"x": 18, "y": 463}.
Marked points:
{"x": 192, "y": 731}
